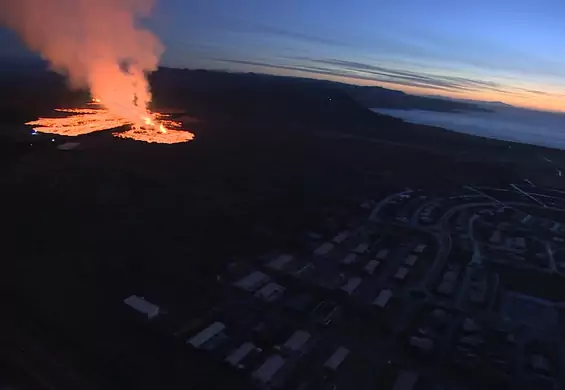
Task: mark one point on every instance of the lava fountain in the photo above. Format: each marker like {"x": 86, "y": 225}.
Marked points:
{"x": 150, "y": 127}
{"x": 101, "y": 46}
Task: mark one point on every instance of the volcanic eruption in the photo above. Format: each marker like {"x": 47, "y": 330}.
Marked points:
{"x": 102, "y": 46}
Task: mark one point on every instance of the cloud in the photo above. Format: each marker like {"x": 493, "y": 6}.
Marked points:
{"x": 293, "y": 35}
{"x": 421, "y": 78}
{"x": 367, "y": 72}
{"x": 257, "y": 29}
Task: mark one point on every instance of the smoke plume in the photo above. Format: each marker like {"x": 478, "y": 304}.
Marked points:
{"x": 98, "y": 44}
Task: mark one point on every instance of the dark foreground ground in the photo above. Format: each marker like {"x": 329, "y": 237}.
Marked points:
{"x": 271, "y": 161}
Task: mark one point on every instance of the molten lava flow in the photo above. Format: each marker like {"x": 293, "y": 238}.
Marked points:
{"x": 101, "y": 46}
{"x": 149, "y": 127}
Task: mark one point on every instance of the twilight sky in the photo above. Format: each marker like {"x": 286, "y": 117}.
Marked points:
{"x": 506, "y": 50}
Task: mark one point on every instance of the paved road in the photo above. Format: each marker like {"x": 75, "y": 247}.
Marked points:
{"x": 374, "y": 214}
{"x": 445, "y": 240}
{"x": 462, "y": 291}
{"x": 528, "y": 193}
{"x": 414, "y": 221}
{"x": 550, "y": 257}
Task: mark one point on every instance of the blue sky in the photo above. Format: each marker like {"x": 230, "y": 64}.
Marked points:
{"x": 513, "y": 51}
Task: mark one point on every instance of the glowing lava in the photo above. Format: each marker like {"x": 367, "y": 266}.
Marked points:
{"x": 151, "y": 127}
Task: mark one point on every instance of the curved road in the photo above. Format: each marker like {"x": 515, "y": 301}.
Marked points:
{"x": 445, "y": 240}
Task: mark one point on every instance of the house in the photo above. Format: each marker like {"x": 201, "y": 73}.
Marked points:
{"x": 279, "y": 262}
{"x": 383, "y": 298}
{"x": 349, "y": 259}
{"x": 252, "y": 281}
{"x": 371, "y": 266}
{"x": 351, "y": 285}
{"x": 446, "y": 288}
{"x": 361, "y": 249}
{"x": 240, "y": 353}
{"x": 410, "y": 260}
{"x": 270, "y": 292}
{"x": 496, "y": 237}
{"x": 424, "y": 344}
{"x": 268, "y": 369}
{"x": 382, "y": 254}
{"x": 401, "y": 273}
{"x": 341, "y": 237}
{"x": 324, "y": 249}
{"x": 470, "y": 326}
{"x": 406, "y": 380}
{"x": 68, "y": 146}
{"x": 206, "y": 334}
{"x": 297, "y": 340}
{"x": 540, "y": 363}
{"x": 337, "y": 358}
{"x": 142, "y": 306}
{"x": 420, "y": 248}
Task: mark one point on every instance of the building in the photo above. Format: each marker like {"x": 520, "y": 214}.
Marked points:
{"x": 439, "y": 314}
{"x": 240, "y": 353}
{"x": 450, "y": 276}
{"x": 268, "y": 369}
{"x": 349, "y": 259}
{"x": 337, "y": 358}
{"x": 470, "y": 326}
{"x": 383, "y": 298}
{"x": 351, "y": 285}
{"x": 406, "y": 380}
{"x": 207, "y": 334}
{"x": 361, "y": 249}
{"x": 556, "y": 227}
{"x": 446, "y": 288}
{"x": 371, "y": 266}
{"x": 68, "y": 146}
{"x": 304, "y": 270}
{"x": 423, "y": 344}
{"x": 410, "y": 260}
{"x": 270, "y": 292}
{"x": 472, "y": 341}
{"x": 252, "y": 281}
{"x": 420, "y": 248}
{"x": 297, "y": 340}
{"x": 518, "y": 243}
{"x": 382, "y": 254}
{"x": 496, "y": 237}
{"x": 142, "y": 306}
{"x": 540, "y": 363}
{"x": 341, "y": 237}
{"x": 478, "y": 293}
{"x": 401, "y": 273}
{"x": 324, "y": 249}
{"x": 279, "y": 262}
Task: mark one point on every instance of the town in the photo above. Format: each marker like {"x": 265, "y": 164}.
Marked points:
{"x": 443, "y": 290}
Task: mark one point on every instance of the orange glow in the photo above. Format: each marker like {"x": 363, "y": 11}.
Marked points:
{"x": 161, "y": 137}
{"x": 157, "y": 128}
{"x": 100, "y": 46}
{"x": 553, "y": 100}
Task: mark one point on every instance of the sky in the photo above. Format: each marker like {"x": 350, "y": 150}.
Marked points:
{"x": 495, "y": 50}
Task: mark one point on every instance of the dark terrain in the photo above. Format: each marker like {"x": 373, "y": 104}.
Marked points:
{"x": 273, "y": 159}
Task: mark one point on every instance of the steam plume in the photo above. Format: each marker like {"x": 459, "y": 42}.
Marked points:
{"x": 98, "y": 44}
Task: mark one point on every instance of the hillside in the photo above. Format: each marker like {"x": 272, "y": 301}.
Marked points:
{"x": 370, "y": 97}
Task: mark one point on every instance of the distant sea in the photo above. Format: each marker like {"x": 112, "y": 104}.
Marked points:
{"x": 504, "y": 123}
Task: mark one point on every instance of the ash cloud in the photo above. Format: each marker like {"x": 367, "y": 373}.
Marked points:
{"x": 89, "y": 41}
